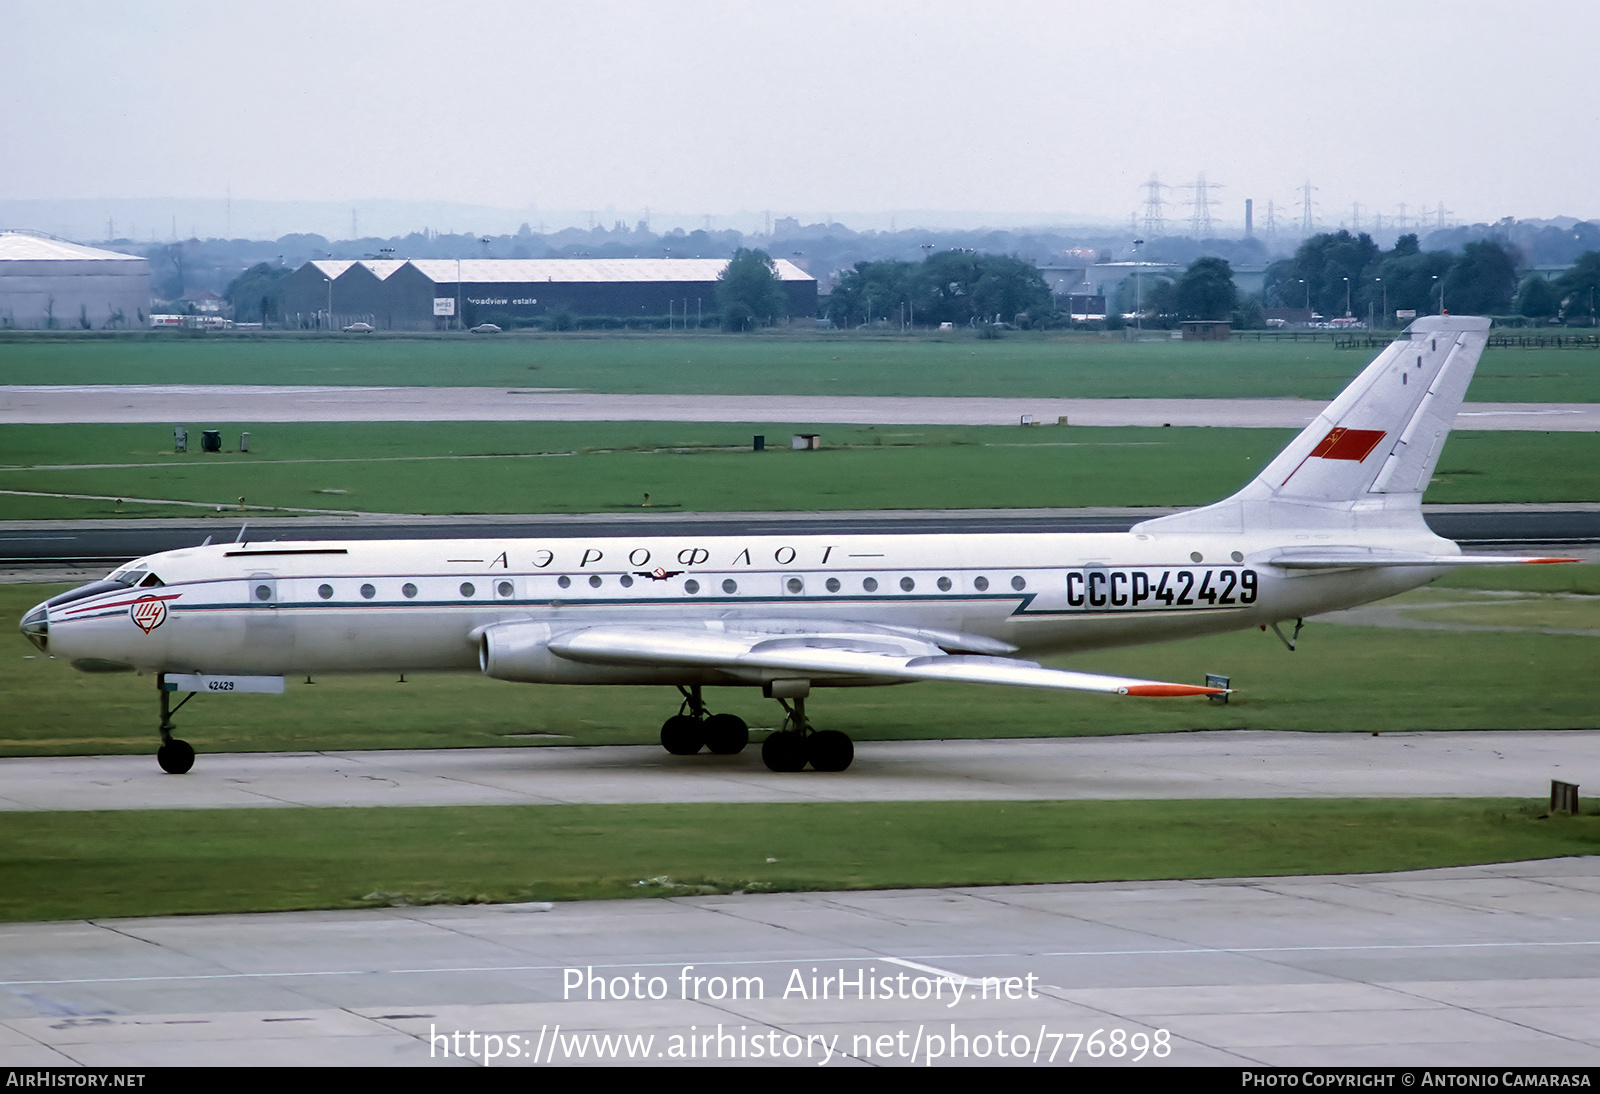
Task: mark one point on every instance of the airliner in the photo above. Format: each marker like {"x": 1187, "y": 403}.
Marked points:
{"x": 1334, "y": 521}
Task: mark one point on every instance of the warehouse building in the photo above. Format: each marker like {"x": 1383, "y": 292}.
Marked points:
{"x": 444, "y": 293}
{"x": 49, "y": 284}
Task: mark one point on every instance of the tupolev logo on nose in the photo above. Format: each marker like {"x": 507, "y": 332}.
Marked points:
{"x": 148, "y": 613}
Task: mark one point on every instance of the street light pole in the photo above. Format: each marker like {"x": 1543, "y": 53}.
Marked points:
{"x": 329, "y": 282}
{"x": 1138, "y": 290}
{"x": 1385, "y": 302}
{"x": 1347, "y": 298}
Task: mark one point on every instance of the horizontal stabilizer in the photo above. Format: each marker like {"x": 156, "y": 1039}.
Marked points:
{"x": 1339, "y": 558}
{"x": 765, "y": 657}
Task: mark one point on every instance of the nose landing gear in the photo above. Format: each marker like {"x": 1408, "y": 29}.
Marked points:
{"x": 175, "y": 757}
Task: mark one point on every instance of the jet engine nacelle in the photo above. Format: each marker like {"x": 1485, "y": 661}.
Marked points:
{"x": 521, "y": 652}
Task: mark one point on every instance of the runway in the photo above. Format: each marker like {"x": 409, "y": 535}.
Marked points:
{"x": 1473, "y": 966}
{"x": 1211, "y": 764}
{"x": 30, "y": 404}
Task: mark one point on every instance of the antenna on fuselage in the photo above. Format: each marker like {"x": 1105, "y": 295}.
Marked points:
{"x": 207, "y": 543}
{"x": 240, "y": 537}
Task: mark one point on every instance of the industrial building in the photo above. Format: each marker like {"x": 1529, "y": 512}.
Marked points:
{"x": 49, "y": 284}
{"x": 444, "y": 293}
{"x": 1075, "y": 276}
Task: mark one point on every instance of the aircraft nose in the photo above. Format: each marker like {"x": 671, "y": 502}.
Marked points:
{"x": 36, "y": 626}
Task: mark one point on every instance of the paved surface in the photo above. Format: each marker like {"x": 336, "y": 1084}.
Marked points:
{"x": 1491, "y": 965}
{"x": 41, "y": 404}
{"x": 1213, "y": 764}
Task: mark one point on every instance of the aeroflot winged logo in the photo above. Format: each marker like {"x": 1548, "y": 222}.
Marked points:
{"x": 148, "y": 613}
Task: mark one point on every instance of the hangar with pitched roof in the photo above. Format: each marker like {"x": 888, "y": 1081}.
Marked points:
{"x": 447, "y": 293}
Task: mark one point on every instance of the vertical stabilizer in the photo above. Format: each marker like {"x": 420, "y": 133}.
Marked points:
{"x": 1367, "y": 458}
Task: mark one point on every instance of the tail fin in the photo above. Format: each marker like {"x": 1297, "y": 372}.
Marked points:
{"x": 1369, "y": 455}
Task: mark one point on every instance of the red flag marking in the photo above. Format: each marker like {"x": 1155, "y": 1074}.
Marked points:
{"x": 1348, "y": 444}
{"x": 1354, "y": 445}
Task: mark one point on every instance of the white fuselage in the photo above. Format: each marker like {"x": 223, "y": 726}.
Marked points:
{"x": 280, "y": 608}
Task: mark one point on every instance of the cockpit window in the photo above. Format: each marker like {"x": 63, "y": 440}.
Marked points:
{"x": 130, "y": 576}
{"x": 151, "y": 582}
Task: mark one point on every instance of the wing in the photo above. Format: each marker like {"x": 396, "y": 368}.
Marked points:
{"x": 845, "y": 652}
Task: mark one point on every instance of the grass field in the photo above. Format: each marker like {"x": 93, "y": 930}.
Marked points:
{"x": 95, "y": 865}
{"x": 1573, "y": 580}
{"x": 560, "y": 467}
{"x": 1025, "y": 364}
{"x": 1512, "y": 679}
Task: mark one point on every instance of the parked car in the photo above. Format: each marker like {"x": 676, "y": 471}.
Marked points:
{"x": 359, "y": 328}
{"x": 484, "y": 328}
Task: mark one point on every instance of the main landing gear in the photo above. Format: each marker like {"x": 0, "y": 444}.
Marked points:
{"x": 791, "y": 748}
{"x": 691, "y": 729}
{"x": 175, "y": 757}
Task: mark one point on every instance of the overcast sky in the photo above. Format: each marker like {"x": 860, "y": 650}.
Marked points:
{"x": 807, "y": 107}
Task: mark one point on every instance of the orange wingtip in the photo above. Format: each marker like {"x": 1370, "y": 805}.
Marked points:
{"x": 1175, "y": 689}
{"x": 1537, "y": 561}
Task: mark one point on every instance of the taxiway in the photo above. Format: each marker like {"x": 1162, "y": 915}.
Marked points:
{"x": 32, "y": 404}
{"x": 1472, "y": 966}
{"x": 1209, "y": 764}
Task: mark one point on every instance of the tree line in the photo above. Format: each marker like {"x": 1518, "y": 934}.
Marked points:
{"x": 958, "y": 286}
{"x": 1330, "y": 273}
{"x": 1337, "y": 273}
